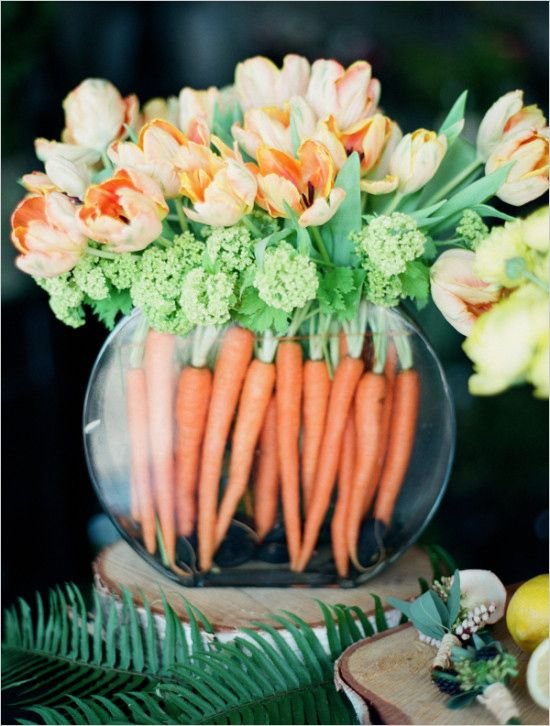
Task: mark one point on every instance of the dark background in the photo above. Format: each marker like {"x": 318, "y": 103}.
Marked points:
{"x": 495, "y": 513}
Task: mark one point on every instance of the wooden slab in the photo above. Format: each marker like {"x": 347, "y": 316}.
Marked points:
{"x": 390, "y": 673}
{"x": 229, "y": 608}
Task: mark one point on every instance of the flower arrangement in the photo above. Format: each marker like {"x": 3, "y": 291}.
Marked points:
{"x": 285, "y": 205}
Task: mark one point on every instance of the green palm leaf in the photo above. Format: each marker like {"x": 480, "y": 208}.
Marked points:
{"x": 62, "y": 665}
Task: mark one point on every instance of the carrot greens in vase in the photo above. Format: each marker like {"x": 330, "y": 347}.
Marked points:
{"x": 269, "y": 242}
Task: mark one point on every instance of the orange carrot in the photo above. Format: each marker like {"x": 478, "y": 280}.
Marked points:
{"x": 341, "y": 395}
{"x": 266, "y": 483}
{"x": 345, "y": 474}
{"x": 369, "y": 403}
{"x": 192, "y": 401}
{"x": 315, "y": 404}
{"x": 390, "y": 371}
{"x": 255, "y": 398}
{"x": 288, "y": 398}
{"x": 229, "y": 374}
{"x": 142, "y": 495}
{"x": 400, "y": 444}
{"x": 158, "y": 357}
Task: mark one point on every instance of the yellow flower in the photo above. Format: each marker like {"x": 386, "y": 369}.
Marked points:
{"x": 506, "y": 342}
{"x": 535, "y": 229}
{"x": 503, "y": 243}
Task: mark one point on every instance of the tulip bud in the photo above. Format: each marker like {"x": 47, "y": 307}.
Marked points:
{"x": 507, "y": 115}
{"x": 528, "y": 177}
{"x": 95, "y": 114}
{"x": 417, "y": 158}
{"x": 459, "y": 294}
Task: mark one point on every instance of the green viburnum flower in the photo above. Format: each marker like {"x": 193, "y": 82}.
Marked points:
{"x": 157, "y": 289}
{"x": 123, "y": 270}
{"x": 287, "y": 279}
{"x": 207, "y": 297}
{"x": 382, "y": 289}
{"x": 230, "y": 248}
{"x": 65, "y": 298}
{"x": 472, "y": 228}
{"x": 90, "y": 278}
{"x": 388, "y": 242}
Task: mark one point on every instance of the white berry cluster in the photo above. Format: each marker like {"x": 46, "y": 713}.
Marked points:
{"x": 473, "y": 620}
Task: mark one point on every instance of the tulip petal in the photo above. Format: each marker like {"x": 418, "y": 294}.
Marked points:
{"x": 322, "y": 209}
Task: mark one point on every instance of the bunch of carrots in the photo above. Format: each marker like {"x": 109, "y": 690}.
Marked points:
{"x": 298, "y": 415}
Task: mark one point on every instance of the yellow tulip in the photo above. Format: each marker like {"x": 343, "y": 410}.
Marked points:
{"x": 416, "y": 159}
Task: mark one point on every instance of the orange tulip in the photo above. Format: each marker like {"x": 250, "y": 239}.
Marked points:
{"x": 46, "y": 233}
{"x": 124, "y": 212}
{"x": 305, "y": 184}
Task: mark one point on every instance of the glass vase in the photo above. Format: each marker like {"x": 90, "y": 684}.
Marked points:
{"x": 382, "y": 460}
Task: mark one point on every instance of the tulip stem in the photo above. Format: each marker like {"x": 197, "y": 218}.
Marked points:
{"x": 394, "y": 203}
{"x": 536, "y": 280}
{"x": 101, "y": 253}
{"x": 182, "y": 219}
{"x": 107, "y": 163}
{"x": 455, "y": 181}
{"x": 316, "y": 234}
{"x": 249, "y": 224}
{"x": 165, "y": 242}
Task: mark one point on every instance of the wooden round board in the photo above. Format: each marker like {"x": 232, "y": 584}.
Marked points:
{"x": 230, "y": 608}
{"x": 387, "y": 678}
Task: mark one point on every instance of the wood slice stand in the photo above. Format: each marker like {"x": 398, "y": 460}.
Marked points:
{"x": 231, "y": 608}
{"x": 387, "y": 678}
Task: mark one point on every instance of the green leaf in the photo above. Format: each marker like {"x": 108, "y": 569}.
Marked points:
{"x": 441, "y": 608}
{"x": 473, "y": 194}
{"x": 339, "y": 292}
{"x": 461, "y": 700}
{"x": 253, "y": 313}
{"x": 426, "y": 617}
{"x": 485, "y": 210}
{"x": 348, "y": 216}
{"x": 415, "y": 282}
{"x": 402, "y": 605}
{"x": 454, "y": 122}
{"x": 453, "y": 600}
{"x": 379, "y": 614}
{"x": 118, "y": 302}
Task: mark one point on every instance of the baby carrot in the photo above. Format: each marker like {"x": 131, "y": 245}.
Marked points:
{"x": 369, "y": 402}
{"x": 288, "y": 398}
{"x": 400, "y": 444}
{"x": 341, "y": 395}
{"x": 192, "y": 401}
{"x": 266, "y": 481}
{"x": 339, "y": 517}
{"x": 255, "y": 398}
{"x": 158, "y": 357}
{"x": 231, "y": 366}
{"x": 136, "y": 401}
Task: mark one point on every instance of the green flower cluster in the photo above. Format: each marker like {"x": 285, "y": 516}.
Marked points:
{"x": 472, "y": 228}
{"x": 478, "y": 674}
{"x": 207, "y": 297}
{"x": 66, "y": 298}
{"x": 230, "y": 248}
{"x": 157, "y": 288}
{"x": 385, "y": 246}
{"x": 287, "y": 279}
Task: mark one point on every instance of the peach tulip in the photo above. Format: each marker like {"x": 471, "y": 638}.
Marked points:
{"x": 457, "y": 291}
{"x": 506, "y": 116}
{"x": 46, "y": 233}
{"x": 369, "y": 138}
{"x": 305, "y": 184}
{"x": 259, "y": 83}
{"x": 46, "y": 150}
{"x": 196, "y": 112}
{"x": 164, "y": 108}
{"x": 528, "y": 177}
{"x": 222, "y": 190}
{"x": 416, "y": 159}
{"x": 124, "y": 212}
{"x": 349, "y": 95}
{"x": 96, "y": 114}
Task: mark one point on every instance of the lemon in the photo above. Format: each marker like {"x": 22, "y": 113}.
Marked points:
{"x": 527, "y": 614}
{"x": 537, "y": 675}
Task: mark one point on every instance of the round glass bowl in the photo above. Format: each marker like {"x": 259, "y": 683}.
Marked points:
{"x": 135, "y": 453}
